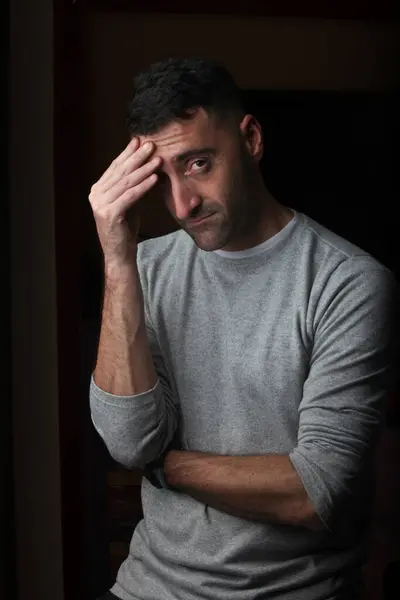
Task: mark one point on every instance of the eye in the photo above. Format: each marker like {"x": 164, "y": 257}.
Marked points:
{"x": 199, "y": 165}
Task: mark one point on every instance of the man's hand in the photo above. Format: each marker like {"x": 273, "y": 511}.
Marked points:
{"x": 127, "y": 179}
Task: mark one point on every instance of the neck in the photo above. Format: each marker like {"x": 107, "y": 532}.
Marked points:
{"x": 267, "y": 219}
{"x": 273, "y": 217}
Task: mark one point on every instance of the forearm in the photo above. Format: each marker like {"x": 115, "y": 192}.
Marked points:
{"x": 261, "y": 488}
{"x": 124, "y": 364}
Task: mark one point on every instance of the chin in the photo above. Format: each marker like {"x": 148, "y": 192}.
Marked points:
{"x": 210, "y": 237}
{"x": 206, "y": 241}
{"x": 207, "y": 247}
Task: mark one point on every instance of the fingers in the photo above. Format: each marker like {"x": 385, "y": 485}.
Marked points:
{"x": 130, "y": 196}
{"x": 132, "y": 158}
{"x": 119, "y": 185}
{"x": 129, "y": 150}
{"x": 128, "y": 170}
{"x": 129, "y": 177}
{"x": 141, "y": 154}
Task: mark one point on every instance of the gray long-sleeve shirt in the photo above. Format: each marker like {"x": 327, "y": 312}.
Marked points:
{"x": 285, "y": 350}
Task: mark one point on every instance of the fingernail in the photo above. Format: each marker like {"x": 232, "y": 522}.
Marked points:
{"x": 147, "y": 146}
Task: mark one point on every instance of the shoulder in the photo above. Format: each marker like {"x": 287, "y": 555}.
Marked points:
{"x": 152, "y": 248}
{"x": 344, "y": 281}
{"x": 328, "y": 244}
{"x": 162, "y": 257}
{"x": 161, "y": 248}
{"x": 337, "y": 261}
{"x": 361, "y": 292}
{"x": 361, "y": 280}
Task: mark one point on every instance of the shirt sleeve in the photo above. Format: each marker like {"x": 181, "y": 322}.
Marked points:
{"x": 137, "y": 429}
{"x": 351, "y": 372}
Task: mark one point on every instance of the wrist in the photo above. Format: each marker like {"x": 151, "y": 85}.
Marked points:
{"x": 121, "y": 273}
{"x": 159, "y": 472}
{"x": 170, "y": 465}
{"x": 155, "y": 472}
{"x": 115, "y": 269}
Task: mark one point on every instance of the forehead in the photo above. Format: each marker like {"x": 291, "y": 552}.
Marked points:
{"x": 177, "y": 137}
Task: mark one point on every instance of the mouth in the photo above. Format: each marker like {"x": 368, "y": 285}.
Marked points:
{"x": 199, "y": 221}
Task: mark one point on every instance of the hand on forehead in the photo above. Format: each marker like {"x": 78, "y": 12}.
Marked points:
{"x": 182, "y": 137}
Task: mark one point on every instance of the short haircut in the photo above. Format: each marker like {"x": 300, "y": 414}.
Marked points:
{"x": 174, "y": 88}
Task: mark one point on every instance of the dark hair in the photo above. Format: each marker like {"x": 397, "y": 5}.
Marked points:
{"x": 173, "y": 88}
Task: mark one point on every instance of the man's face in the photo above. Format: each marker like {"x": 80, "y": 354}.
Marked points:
{"x": 206, "y": 179}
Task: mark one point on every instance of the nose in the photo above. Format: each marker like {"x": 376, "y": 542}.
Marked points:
{"x": 183, "y": 201}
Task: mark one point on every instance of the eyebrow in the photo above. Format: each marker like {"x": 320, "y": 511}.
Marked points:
{"x": 194, "y": 152}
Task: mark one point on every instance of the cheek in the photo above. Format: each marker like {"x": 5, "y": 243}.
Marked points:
{"x": 232, "y": 189}
{"x": 220, "y": 187}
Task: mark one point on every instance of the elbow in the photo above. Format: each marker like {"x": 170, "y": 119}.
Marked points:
{"x": 134, "y": 455}
{"x": 303, "y": 514}
{"x": 310, "y": 518}
{"x": 128, "y": 460}
{"x": 133, "y": 444}
{"x": 127, "y": 455}
{"x": 315, "y": 492}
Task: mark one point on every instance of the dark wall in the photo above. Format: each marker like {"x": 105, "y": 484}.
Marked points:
{"x": 7, "y": 547}
{"x": 331, "y": 155}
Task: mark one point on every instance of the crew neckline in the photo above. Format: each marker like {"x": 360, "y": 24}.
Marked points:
{"x": 251, "y": 261}
{"x": 260, "y": 248}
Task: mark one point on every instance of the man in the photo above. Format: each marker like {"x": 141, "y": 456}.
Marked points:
{"x": 243, "y": 360}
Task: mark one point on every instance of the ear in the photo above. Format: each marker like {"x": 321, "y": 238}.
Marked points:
{"x": 251, "y": 132}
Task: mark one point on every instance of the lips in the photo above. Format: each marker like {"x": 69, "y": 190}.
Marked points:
{"x": 200, "y": 220}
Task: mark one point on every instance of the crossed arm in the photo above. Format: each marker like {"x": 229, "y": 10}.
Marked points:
{"x": 259, "y": 488}
{"x": 355, "y": 326}
{"x": 351, "y": 373}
